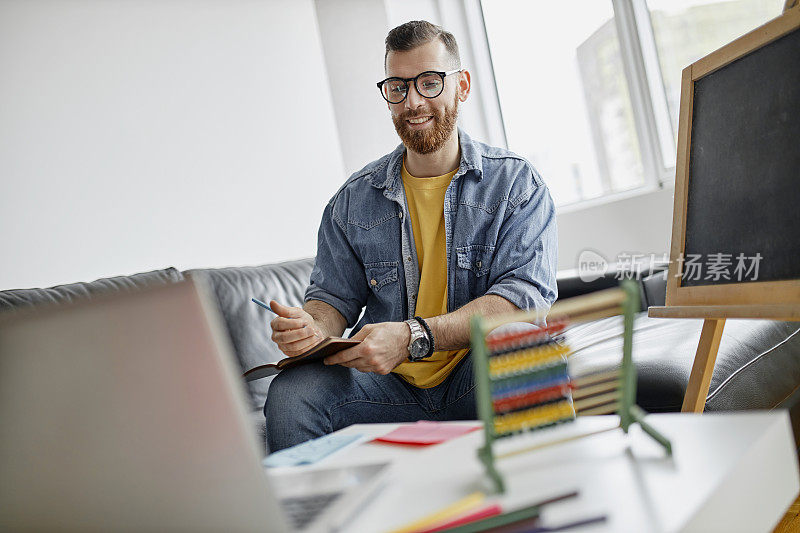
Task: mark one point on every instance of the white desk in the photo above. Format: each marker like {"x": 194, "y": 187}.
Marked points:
{"x": 728, "y": 472}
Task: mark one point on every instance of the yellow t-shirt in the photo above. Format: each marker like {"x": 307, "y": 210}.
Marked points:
{"x": 426, "y": 207}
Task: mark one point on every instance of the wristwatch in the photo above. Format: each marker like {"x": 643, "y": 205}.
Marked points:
{"x": 419, "y": 345}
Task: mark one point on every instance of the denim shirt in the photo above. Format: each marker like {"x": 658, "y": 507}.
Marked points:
{"x": 500, "y": 238}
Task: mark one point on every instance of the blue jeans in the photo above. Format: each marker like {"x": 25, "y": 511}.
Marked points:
{"x": 312, "y": 400}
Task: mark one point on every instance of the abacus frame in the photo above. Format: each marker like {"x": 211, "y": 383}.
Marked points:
{"x": 611, "y": 302}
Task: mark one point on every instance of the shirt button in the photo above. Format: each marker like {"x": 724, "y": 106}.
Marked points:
{"x": 408, "y": 258}
{"x": 413, "y": 296}
{"x": 478, "y": 264}
{"x": 373, "y": 282}
{"x": 400, "y": 215}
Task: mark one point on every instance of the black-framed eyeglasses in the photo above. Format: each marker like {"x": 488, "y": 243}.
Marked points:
{"x": 429, "y": 84}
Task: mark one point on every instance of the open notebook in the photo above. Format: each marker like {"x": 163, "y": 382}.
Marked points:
{"x": 329, "y": 346}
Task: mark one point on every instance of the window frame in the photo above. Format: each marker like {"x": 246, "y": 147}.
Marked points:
{"x": 648, "y": 100}
{"x": 646, "y": 87}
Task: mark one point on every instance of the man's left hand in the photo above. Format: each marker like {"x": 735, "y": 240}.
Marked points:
{"x": 383, "y": 347}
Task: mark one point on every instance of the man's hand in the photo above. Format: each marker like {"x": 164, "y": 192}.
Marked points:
{"x": 383, "y": 347}
{"x": 294, "y": 330}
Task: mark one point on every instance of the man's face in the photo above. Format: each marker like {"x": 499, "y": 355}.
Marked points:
{"x": 438, "y": 114}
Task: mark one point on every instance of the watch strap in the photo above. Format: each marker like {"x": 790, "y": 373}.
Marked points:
{"x": 429, "y": 333}
{"x": 415, "y": 326}
{"x": 416, "y": 332}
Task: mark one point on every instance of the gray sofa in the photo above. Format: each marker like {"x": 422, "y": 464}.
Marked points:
{"x": 758, "y": 366}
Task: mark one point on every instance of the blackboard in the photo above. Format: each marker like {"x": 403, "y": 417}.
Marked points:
{"x": 744, "y": 168}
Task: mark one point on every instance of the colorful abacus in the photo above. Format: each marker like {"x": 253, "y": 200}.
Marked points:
{"x": 530, "y": 385}
{"x": 523, "y": 382}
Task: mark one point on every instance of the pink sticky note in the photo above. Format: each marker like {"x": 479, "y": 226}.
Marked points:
{"x": 425, "y": 432}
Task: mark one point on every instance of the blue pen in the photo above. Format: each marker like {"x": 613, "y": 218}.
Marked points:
{"x": 262, "y": 304}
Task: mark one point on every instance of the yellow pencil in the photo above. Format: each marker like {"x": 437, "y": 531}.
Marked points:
{"x": 452, "y": 511}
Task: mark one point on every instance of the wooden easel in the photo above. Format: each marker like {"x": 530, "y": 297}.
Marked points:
{"x": 776, "y": 300}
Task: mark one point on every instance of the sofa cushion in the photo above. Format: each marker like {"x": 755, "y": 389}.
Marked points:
{"x": 18, "y": 298}
{"x": 570, "y": 283}
{"x": 247, "y": 323}
{"x": 757, "y": 367}
{"x": 765, "y": 371}
{"x": 654, "y": 290}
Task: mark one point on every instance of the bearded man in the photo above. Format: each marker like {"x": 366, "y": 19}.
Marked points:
{"x": 421, "y": 239}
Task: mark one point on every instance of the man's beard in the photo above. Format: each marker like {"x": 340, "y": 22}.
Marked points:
{"x": 430, "y": 139}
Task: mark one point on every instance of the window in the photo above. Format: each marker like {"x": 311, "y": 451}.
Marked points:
{"x": 581, "y": 88}
{"x": 687, "y": 30}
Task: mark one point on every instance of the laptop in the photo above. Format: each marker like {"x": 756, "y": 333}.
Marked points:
{"x": 128, "y": 411}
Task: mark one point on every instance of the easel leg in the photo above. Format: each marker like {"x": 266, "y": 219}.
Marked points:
{"x": 703, "y": 368}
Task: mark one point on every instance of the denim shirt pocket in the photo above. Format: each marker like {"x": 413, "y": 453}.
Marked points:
{"x": 471, "y": 278}
{"x": 372, "y": 232}
{"x": 477, "y": 258}
{"x": 381, "y": 274}
{"x": 384, "y": 301}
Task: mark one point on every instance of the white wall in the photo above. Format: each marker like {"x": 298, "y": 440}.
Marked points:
{"x": 138, "y": 135}
{"x": 352, "y": 33}
{"x": 640, "y": 224}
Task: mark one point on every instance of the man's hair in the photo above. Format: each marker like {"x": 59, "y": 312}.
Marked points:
{"x": 418, "y": 32}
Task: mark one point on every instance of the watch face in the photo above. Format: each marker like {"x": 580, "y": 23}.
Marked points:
{"x": 419, "y": 348}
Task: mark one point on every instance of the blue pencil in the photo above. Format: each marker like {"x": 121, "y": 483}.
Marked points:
{"x": 262, "y": 304}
